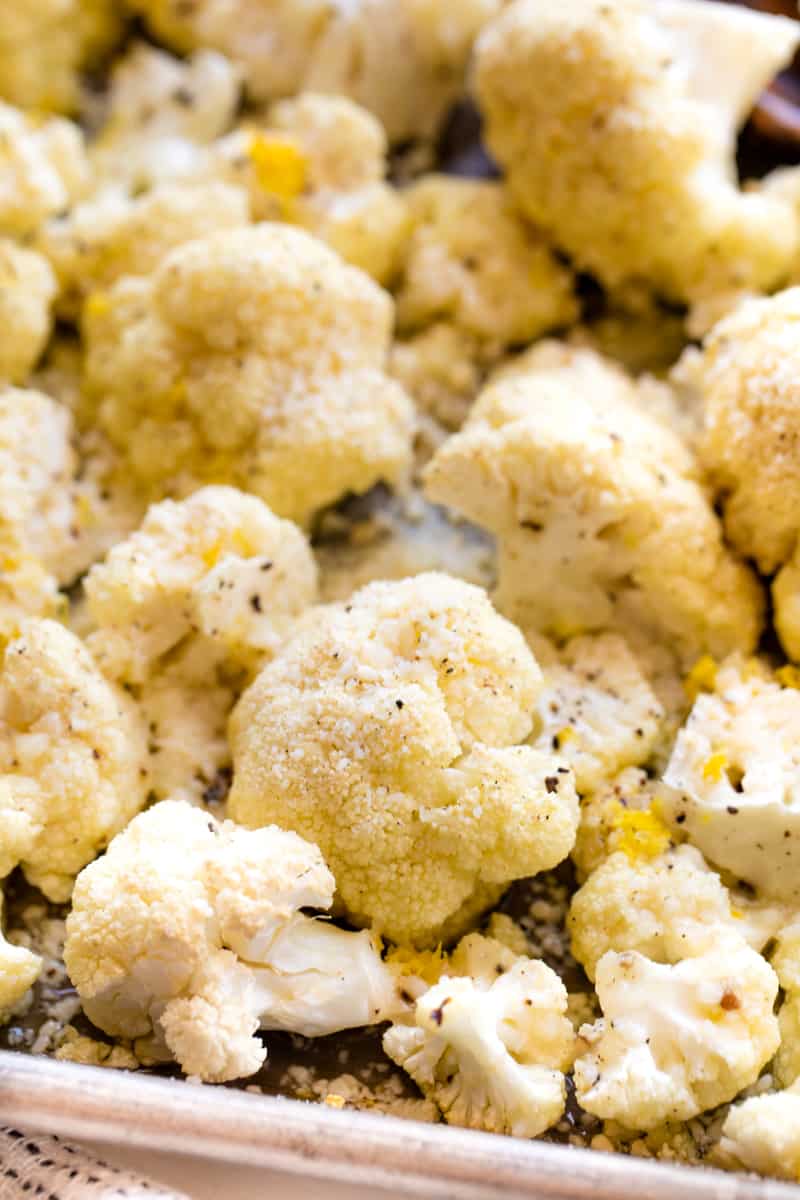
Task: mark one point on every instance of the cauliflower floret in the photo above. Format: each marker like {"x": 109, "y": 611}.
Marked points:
{"x": 163, "y": 113}
{"x": 472, "y": 261}
{"x": 763, "y": 1134}
{"x": 620, "y": 815}
{"x": 600, "y": 519}
{"x": 19, "y": 970}
{"x": 597, "y": 709}
{"x": 786, "y": 963}
{"x": 72, "y": 755}
{"x": 677, "y": 1040}
{"x": 27, "y": 288}
{"x": 218, "y": 567}
{"x": 489, "y": 1047}
{"x": 735, "y": 779}
{"x": 113, "y": 234}
{"x": 191, "y": 952}
{"x": 443, "y": 368}
{"x": 667, "y": 907}
{"x": 46, "y": 44}
{"x": 252, "y": 357}
{"x": 320, "y": 162}
{"x": 617, "y": 120}
{"x": 387, "y": 732}
{"x": 745, "y": 379}
{"x": 43, "y": 170}
{"x": 404, "y": 60}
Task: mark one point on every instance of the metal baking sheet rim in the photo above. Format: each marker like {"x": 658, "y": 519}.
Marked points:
{"x": 312, "y": 1140}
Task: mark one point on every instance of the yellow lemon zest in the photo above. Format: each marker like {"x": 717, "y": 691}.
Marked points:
{"x": 701, "y": 678}
{"x": 714, "y": 766}
{"x": 280, "y": 166}
{"x": 642, "y": 834}
{"x": 788, "y": 676}
{"x": 97, "y": 304}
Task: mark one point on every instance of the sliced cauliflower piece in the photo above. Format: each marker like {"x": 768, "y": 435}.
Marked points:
{"x": 46, "y": 44}
{"x": 763, "y": 1134}
{"x": 735, "y": 779}
{"x": 387, "y": 731}
{"x": 404, "y": 60}
{"x": 72, "y": 758}
{"x": 27, "y": 289}
{"x": 113, "y": 234}
{"x": 490, "y": 1042}
{"x": 252, "y": 357}
{"x": 597, "y": 709}
{"x": 600, "y": 519}
{"x": 19, "y": 970}
{"x": 675, "y": 1041}
{"x": 745, "y": 380}
{"x": 668, "y": 907}
{"x": 218, "y": 567}
{"x": 162, "y": 114}
{"x": 43, "y": 169}
{"x": 472, "y": 261}
{"x": 191, "y": 953}
{"x": 616, "y": 121}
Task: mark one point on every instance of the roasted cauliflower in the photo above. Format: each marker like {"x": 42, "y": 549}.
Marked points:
{"x": 27, "y": 289}
{"x": 43, "y": 170}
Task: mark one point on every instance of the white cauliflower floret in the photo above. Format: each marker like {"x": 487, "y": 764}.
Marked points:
{"x": 320, "y": 162}
{"x": 597, "y": 709}
{"x": 43, "y": 169}
{"x": 616, "y": 121}
{"x": 786, "y": 963}
{"x": 113, "y": 234}
{"x": 253, "y": 357}
{"x": 489, "y": 1047}
{"x": 19, "y": 970}
{"x": 675, "y": 1041}
{"x": 472, "y": 261}
{"x": 735, "y": 779}
{"x": 192, "y": 952}
{"x": 218, "y": 567}
{"x": 746, "y": 382}
{"x": 27, "y": 288}
{"x": 620, "y": 815}
{"x": 387, "y": 732}
{"x": 72, "y": 758}
{"x": 162, "y": 115}
{"x": 443, "y": 369}
{"x": 404, "y": 60}
{"x": 668, "y": 907}
{"x": 46, "y": 44}
{"x": 763, "y": 1134}
{"x": 600, "y": 519}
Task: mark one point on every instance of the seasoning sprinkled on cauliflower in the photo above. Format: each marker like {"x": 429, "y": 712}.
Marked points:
{"x": 27, "y": 288}
{"x": 735, "y": 778}
{"x": 19, "y": 970}
{"x": 472, "y": 261}
{"x": 763, "y": 1134}
{"x": 72, "y": 755}
{"x": 46, "y": 44}
{"x": 677, "y": 1040}
{"x": 162, "y": 114}
{"x": 597, "y": 710}
{"x": 191, "y": 953}
{"x": 112, "y": 234}
{"x": 253, "y": 357}
{"x": 387, "y": 732}
{"x": 404, "y": 60}
{"x": 43, "y": 169}
{"x": 746, "y": 379}
{"x": 668, "y": 907}
{"x": 490, "y": 1042}
{"x": 617, "y": 120}
{"x": 599, "y": 516}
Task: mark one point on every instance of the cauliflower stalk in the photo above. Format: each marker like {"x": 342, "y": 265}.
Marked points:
{"x": 735, "y": 778}
{"x": 675, "y": 1041}
{"x": 190, "y": 954}
{"x": 388, "y": 732}
{"x": 72, "y": 758}
{"x": 252, "y": 357}
{"x": 616, "y": 121}
{"x": 490, "y": 1041}
{"x": 599, "y": 515}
